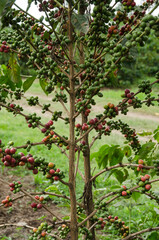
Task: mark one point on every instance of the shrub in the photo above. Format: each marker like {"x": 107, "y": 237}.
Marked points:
{"x": 74, "y": 54}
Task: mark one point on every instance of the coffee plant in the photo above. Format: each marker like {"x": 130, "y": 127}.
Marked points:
{"x": 75, "y": 48}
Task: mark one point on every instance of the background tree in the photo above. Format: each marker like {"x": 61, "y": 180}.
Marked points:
{"x": 75, "y": 50}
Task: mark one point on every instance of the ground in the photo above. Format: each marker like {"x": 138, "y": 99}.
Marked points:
{"x": 21, "y": 212}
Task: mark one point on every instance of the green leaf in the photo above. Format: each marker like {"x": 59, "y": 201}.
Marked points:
{"x": 2, "y": 6}
{"x": 136, "y": 196}
{"x": 126, "y": 174}
{"x": 46, "y": 35}
{"x": 156, "y": 130}
{"x": 41, "y": 218}
{"x": 156, "y": 210}
{"x": 53, "y": 189}
{"x": 115, "y": 187}
{"x": 146, "y": 149}
{"x": 127, "y": 151}
{"x": 93, "y": 156}
{"x": 29, "y": 4}
{"x": 145, "y": 133}
{"x": 43, "y": 85}
{"x": 115, "y": 155}
{"x": 5, "y": 6}
{"x": 14, "y": 69}
{"x": 80, "y": 22}
{"x": 101, "y": 156}
{"x": 119, "y": 175}
{"x": 156, "y": 136}
{"x": 27, "y": 84}
{"x": 66, "y": 217}
{"x": 106, "y": 153}
{"x": 5, "y": 77}
{"x": 81, "y": 217}
{"x": 153, "y": 236}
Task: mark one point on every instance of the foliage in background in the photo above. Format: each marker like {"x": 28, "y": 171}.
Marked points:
{"x": 144, "y": 61}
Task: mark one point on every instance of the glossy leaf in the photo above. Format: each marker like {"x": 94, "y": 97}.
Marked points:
{"x": 153, "y": 236}
{"x": 80, "y": 22}
{"x": 146, "y": 149}
{"x": 14, "y": 69}
{"x": 156, "y": 136}
{"x": 5, "y": 77}
{"x": 126, "y": 174}
{"x": 115, "y": 155}
{"x": 127, "y": 151}
{"x": 156, "y": 210}
{"x": 53, "y": 189}
{"x": 119, "y": 175}
{"x": 28, "y": 82}
{"x": 29, "y": 4}
{"x": 136, "y": 196}
{"x": 112, "y": 154}
{"x": 43, "y": 85}
{"x": 101, "y": 156}
{"x": 5, "y": 6}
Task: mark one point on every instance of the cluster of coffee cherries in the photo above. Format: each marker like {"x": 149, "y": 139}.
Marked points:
{"x": 145, "y": 87}
{"x": 124, "y": 29}
{"x": 118, "y": 224}
{"x": 129, "y": 4}
{"x": 7, "y": 202}
{"x": 110, "y": 110}
{"x": 4, "y": 47}
{"x": 42, "y": 232}
{"x": 63, "y": 231}
{"x": 85, "y": 231}
{"x": 50, "y": 4}
{"x": 128, "y": 96}
{"x": 15, "y": 186}
{"x": 92, "y": 122}
{"x": 32, "y": 120}
{"x": 101, "y": 16}
{"x": 12, "y": 159}
{"x": 33, "y": 101}
{"x": 124, "y": 191}
{"x": 141, "y": 165}
{"x": 143, "y": 182}
{"x": 8, "y": 156}
{"x": 14, "y": 108}
{"x": 124, "y": 128}
{"x": 39, "y": 205}
{"x": 52, "y": 172}
{"x": 47, "y": 127}
{"x": 113, "y": 30}
{"x": 120, "y": 16}
{"x": 51, "y": 137}
{"x": 38, "y": 29}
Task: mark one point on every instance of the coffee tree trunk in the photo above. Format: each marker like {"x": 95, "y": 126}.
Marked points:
{"x": 73, "y": 225}
{"x": 88, "y": 196}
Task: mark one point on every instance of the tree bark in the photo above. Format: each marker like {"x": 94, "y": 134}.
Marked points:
{"x": 88, "y": 196}
{"x": 73, "y": 225}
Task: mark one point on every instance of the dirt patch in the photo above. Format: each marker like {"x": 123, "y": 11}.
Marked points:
{"x": 21, "y": 214}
